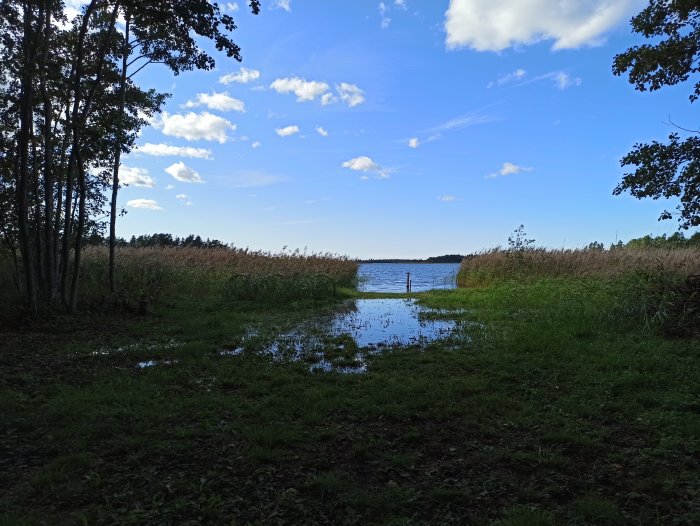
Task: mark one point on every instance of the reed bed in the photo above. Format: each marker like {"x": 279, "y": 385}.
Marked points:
{"x": 499, "y": 264}
{"x": 658, "y": 286}
{"x": 236, "y": 274}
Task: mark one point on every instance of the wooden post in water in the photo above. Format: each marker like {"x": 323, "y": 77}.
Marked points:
{"x": 408, "y": 282}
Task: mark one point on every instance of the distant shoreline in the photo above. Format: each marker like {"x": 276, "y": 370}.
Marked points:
{"x": 451, "y": 258}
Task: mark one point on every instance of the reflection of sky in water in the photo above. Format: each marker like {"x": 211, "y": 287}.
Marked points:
{"x": 389, "y": 322}
{"x": 373, "y": 324}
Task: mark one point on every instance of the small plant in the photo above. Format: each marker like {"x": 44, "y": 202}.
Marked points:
{"x": 518, "y": 241}
{"x": 518, "y": 246}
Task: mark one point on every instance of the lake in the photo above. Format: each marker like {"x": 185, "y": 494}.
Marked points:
{"x": 391, "y": 277}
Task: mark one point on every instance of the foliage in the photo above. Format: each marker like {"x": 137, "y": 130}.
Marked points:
{"x": 656, "y": 285}
{"x": 667, "y": 170}
{"x": 68, "y": 110}
{"x": 545, "y": 408}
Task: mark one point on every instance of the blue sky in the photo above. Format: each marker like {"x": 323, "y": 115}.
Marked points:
{"x": 403, "y": 129}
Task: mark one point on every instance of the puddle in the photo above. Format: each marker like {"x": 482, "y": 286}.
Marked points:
{"x": 391, "y": 322}
{"x": 152, "y": 363}
{"x": 342, "y": 343}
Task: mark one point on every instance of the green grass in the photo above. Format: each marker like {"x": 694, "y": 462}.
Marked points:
{"x": 551, "y": 406}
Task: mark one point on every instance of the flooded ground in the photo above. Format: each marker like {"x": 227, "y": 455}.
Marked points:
{"x": 343, "y": 342}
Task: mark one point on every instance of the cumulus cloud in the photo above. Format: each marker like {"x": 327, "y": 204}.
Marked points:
{"x": 256, "y": 144}
{"x": 135, "y": 177}
{"x": 184, "y": 173}
{"x": 230, "y": 7}
{"x": 413, "y": 142}
{"x": 244, "y": 76}
{"x": 366, "y": 164}
{"x": 148, "y": 204}
{"x": 508, "y": 169}
{"x": 165, "y": 150}
{"x": 287, "y": 131}
{"x": 321, "y": 131}
{"x": 182, "y": 197}
{"x": 196, "y": 126}
{"x": 495, "y": 25}
{"x": 350, "y": 94}
{"x": 217, "y": 101}
{"x": 308, "y": 90}
{"x": 305, "y": 90}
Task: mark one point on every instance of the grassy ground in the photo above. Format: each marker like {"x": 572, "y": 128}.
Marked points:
{"x": 544, "y": 409}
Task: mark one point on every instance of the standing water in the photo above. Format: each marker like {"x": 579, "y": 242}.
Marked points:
{"x": 391, "y": 277}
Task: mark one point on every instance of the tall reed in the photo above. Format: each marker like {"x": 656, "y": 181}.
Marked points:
{"x": 235, "y": 274}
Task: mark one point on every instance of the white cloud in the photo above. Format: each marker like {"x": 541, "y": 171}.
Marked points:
{"x": 282, "y": 4}
{"x": 448, "y": 198}
{"x": 244, "y": 76}
{"x": 256, "y": 144}
{"x": 184, "y": 173}
{"x": 516, "y": 75}
{"x": 170, "y": 187}
{"x": 182, "y": 197}
{"x": 164, "y": 150}
{"x": 350, "y": 94}
{"x": 366, "y": 164}
{"x": 382, "y": 12}
{"x": 361, "y": 164}
{"x": 196, "y": 126}
{"x": 321, "y": 131}
{"x": 508, "y": 169}
{"x": 230, "y": 7}
{"x": 135, "y": 177}
{"x": 287, "y": 131}
{"x": 217, "y": 101}
{"x": 564, "y": 80}
{"x": 400, "y": 3}
{"x": 463, "y": 121}
{"x": 149, "y": 204}
{"x": 413, "y": 142}
{"x": 495, "y": 25}
{"x": 303, "y": 89}
{"x": 307, "y": 90}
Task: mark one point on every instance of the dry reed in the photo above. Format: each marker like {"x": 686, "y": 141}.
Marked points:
{"x": 233, "y": 273}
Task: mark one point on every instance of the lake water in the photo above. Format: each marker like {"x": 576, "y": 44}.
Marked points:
{"x": 391, "y": 277}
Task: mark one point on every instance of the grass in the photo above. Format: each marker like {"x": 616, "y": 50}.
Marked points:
{"x": 551, "y": 406}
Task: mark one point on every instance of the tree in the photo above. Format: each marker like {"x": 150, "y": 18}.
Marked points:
{"x": 69, "y": 109}
{"x": 672, "y": 169}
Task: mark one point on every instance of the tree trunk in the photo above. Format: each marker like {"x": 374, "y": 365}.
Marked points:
{"x": 26, "y": 96}
{"x": 117, "y": 160}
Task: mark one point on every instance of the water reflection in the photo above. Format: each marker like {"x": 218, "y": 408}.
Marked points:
{"x": 342, "y": 342}
{"x": 388, "y": 322}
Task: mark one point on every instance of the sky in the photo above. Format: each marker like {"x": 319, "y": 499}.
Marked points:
{"x": 403, "y": 129}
